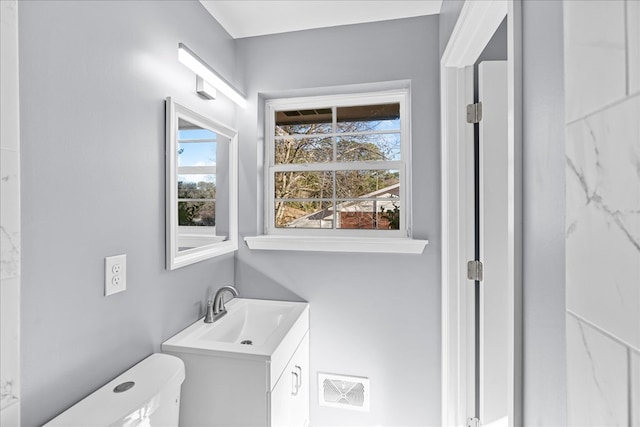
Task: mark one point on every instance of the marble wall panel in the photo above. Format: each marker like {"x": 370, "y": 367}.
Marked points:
{"x": 10, "y": 214}
{"x": 10, "y": 417}
{"x": 9, "y": 278}
{"x": 603, "y": 219}
{"x": 9, "y": 74}
{"x": 597, "y": 378}
{"x": 595, "y": 57}
{"x": 9, "y": 217}
{"x": 602, "y": 78}
{"x": 9, "y": 354}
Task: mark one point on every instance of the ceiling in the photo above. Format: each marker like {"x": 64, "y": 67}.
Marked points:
{"x": 248, "y": 18}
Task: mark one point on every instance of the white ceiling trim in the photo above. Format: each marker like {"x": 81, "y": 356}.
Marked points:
{"x": 249, "y": 18}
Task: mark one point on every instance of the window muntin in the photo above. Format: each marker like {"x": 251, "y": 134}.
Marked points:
{"x": 337, "y": 165}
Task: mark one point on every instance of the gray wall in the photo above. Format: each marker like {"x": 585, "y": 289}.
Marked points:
{"x": 543, "y": 197}
{"x": 93, "y": 78}
{"x": 447, "y": 19}
{"x": 372, "y": 315}
{"x": 496, "y": 49}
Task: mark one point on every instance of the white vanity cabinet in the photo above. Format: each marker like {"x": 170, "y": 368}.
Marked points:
{"x": 230, "y": 384}
{"x": 289, "y": 404}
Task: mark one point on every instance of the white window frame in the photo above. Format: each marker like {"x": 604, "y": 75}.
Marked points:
{"x": 335, "y": 101}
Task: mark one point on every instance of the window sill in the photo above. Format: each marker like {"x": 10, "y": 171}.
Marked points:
{"x": 388, "y": 245}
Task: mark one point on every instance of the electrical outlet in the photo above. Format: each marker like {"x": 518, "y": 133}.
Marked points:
{"x": 115, "y": 274}
{"x": 116, "y": 269}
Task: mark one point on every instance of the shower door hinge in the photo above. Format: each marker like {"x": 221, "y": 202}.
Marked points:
{"x": 474, "y": 112}
{"x": 473, "y": 422}
{"x": 474, "y": 270}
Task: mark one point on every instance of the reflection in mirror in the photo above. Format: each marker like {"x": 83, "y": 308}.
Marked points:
{"x": 198, "y": 153}
{"x": 201, "y": 182}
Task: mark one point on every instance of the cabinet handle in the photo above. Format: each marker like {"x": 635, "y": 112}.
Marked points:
{"x": 295, "y": 378}
{"x": 299, "y": 369}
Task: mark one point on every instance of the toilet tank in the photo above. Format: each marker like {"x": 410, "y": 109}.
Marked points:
{"x": 146, "y": 395}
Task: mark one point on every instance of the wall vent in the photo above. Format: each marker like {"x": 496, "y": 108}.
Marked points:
{"x": 343, "y": 391}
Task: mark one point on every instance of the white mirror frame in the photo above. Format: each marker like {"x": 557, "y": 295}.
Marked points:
{"x": 174, "y": 258}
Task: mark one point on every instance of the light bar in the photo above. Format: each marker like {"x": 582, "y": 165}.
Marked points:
{"x": 198, "y": 66}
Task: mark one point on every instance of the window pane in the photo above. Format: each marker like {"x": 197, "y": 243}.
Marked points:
{"x": 367, "y": 183}
{"x": 196, "y": 146}
{"x": 303, "y": 185}
{"x": 368, "y": 147}
{"x": 196, "y": 154}
{"x": 368, "y": 215}
{"x": 303, "y": 150}
{"x": 304, "y": 122}
{"x": 191, "y": 131}
{"x": 197, "y": 213}
{"x": 304, "y": 214}
{"x": 196, "y": 186}
{"x": 365, "y": 118}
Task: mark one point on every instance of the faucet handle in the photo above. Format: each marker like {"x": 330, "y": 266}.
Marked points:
{"x": 208, "y": 318}
{"x": 218, "y": 300}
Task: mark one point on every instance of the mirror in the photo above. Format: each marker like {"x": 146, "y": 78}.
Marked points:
{"x": 201, "y": 194}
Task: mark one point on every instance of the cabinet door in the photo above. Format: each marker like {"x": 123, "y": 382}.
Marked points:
{"x": 290, "y": 396}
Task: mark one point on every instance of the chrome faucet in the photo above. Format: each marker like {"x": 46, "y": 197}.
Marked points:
{"x": 215, "y": 307}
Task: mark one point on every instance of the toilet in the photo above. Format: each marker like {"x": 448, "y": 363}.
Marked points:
{"x": 146, "y": 395}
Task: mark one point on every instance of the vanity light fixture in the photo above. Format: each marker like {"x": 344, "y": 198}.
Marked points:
{"x": 208, "y": 75}
{"x": 204, "y": 89}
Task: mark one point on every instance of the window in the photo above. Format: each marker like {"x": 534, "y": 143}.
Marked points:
{"x": 338, "y": 165}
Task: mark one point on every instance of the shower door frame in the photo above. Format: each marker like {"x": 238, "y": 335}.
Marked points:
{"x": 474, "y": 28}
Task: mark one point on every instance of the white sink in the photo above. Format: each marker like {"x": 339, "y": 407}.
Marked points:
{"x": 251, "y": 328}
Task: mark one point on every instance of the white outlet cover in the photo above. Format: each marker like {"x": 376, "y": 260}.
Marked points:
{"x": 115, "y": 274}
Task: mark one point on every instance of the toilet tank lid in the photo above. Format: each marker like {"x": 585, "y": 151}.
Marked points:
{"x": 105, "y": 406}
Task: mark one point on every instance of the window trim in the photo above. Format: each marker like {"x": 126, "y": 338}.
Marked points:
{"x": 401, "y": 96}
